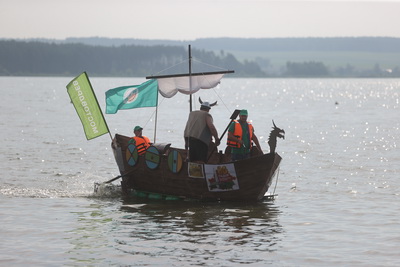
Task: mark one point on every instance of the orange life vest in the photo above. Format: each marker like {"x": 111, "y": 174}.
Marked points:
{"x": 238, "y": 133}
{"x": 142, "y": 143}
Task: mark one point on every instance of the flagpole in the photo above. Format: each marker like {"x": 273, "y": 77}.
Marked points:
{"x": 155, "y": 122}
{"x": 101, "y": 112}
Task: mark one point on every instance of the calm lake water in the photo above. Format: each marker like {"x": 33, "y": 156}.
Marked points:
{"x": 338, "y": 186}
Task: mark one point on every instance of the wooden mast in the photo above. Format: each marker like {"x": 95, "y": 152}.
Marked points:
{"x": 190, "y": 76}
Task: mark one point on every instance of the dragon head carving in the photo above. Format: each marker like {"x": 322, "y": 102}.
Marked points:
{"x": 275, "y": 133}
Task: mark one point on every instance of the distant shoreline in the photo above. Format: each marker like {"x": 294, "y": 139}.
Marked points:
{"x": 341, "y": 57}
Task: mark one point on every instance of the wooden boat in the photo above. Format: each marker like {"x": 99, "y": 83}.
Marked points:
{"x": 164, "y": 172}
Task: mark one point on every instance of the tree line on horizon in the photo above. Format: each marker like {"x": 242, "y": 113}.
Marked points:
{"x": 18, "y": 58}
{"x": 37, "y": 58}
{"x": 327, "y": 44}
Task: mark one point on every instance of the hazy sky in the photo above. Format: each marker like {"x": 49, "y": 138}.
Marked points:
{"x": 190, "y": 19}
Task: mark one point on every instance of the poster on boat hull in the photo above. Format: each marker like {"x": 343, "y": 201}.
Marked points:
{"x": 195, "y": 170}
{"x": 221, "y": 177}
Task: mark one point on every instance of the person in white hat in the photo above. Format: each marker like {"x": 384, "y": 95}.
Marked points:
{"x": 198, "y": 133}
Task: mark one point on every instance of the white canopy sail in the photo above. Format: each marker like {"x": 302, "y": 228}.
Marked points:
{"x": 169, "y": 86}
{"x": 187, "y": 83}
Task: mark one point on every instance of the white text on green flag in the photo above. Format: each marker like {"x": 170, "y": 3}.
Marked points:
{"x": 82, "y": 96}
{"x": 133, "y": 96}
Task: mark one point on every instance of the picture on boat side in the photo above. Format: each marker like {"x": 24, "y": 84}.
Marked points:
{"x": 221, "y": 177}
{"x": 195, "y": 170}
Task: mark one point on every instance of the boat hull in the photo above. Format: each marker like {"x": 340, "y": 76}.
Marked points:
{"x": 220, "y": 180}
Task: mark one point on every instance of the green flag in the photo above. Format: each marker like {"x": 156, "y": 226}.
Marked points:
{"x": 133, "y": 96}
{"x": 85, "y": 102}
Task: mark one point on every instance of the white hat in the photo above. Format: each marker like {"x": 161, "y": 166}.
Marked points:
{"x": 206, "y": 105}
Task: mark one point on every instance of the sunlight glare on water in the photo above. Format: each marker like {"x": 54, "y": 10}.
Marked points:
{"x": 338, "y": 187}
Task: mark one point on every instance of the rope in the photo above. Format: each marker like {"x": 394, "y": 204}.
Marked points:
{"x": 193, "y": 60}
{"x": 276, "y": 183}
{"x": 216, "y": 67}
{"x": 152, "y": 115}
{"x": 220, "y": 98}
{"x": 173, "y": 66}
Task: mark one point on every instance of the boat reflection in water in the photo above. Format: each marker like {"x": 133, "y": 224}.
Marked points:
{"x": 193, "y": 225}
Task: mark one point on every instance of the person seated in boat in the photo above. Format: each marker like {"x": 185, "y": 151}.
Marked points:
{"x": 198, "y": 133}
{"x": 241, "y": 137}
{"x": 142, "y": 142}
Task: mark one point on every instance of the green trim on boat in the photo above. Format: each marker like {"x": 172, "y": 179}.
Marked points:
{"x": 150, "y": 195}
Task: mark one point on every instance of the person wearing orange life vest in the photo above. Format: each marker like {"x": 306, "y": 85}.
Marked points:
{"x": 241, "y": 136}
{"x": 141, "y": 142}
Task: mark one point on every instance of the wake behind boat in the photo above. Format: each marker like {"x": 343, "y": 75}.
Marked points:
{"x": 164, "y": 171}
